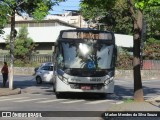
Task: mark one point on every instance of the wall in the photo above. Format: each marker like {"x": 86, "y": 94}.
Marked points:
{"x": 145, "y": 74}
{"x": 120, "y": 74}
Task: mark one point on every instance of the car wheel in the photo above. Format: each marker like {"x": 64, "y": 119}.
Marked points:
{"x": 38, "y": 80}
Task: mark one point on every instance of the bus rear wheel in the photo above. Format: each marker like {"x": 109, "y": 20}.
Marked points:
{"x": 58, "y": 95}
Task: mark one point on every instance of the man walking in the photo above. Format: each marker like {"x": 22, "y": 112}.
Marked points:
{"x": 4, "y": 72}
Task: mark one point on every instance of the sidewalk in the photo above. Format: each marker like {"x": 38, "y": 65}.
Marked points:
{"x": 152, "y": 104}
{"x": 7, "y": 91}
{"x": 149, "y": 105}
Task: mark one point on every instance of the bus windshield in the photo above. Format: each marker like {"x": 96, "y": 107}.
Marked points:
{"x": 85, "y": 55}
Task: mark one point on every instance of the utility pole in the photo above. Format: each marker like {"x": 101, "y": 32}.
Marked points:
{"x": 12, "y": 39}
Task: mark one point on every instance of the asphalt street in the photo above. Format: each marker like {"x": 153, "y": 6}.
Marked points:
{"x": 42, "y": 98}
{"x": 123, "y": 88}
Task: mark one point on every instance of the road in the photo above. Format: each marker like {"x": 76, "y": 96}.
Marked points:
{"x": 41, "y": 97}
{"x": 124, "y": 88}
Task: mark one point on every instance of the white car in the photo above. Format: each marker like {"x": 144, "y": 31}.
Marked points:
{"x": 44, "y": 73}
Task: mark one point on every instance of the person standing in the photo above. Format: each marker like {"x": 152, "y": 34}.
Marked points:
{"x": 4, "y": 72}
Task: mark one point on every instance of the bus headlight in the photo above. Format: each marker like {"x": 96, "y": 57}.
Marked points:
{"x": 109, "y": 80}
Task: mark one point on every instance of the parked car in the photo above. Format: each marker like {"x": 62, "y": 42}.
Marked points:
{"x": 43, "y": 64}
{"x": 44, "y": 73}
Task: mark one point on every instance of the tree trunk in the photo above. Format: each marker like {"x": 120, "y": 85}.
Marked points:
{"x": 137, "y": 27}
{"x": 138, "y": 90}
{"x": 12, "y": 38}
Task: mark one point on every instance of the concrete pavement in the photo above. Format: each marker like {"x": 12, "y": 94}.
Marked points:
{"x": 7, "y": 91}
{"x": 151, "y": 104}
{"x": 142, "y": 109}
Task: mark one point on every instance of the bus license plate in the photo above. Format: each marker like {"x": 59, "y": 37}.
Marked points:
{"x": 85, "y": 87}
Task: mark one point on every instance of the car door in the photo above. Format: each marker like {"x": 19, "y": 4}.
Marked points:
{"x": 47, "y": 73}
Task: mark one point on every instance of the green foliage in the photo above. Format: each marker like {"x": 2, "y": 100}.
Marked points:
{"x": 20, "y": 63}
{"x": 152, "y": 18}
{"x": 113, "y": 14}
{"x": 37, "y": 9}
{"x": 116, "y": 16}
{"x": 123, "y": 22}
{"x": 124, "y": 59}
{"x": 24, "y": 46}
{"x": 152, "y": 49}
{"x": 41, "y": 11}
{"x": 128, "y": 100}
{"x": 143, "y": 4}
{"x": 140, "y": 4}
{"x": 96, "y": 9}
{"x": 4, "y": 10}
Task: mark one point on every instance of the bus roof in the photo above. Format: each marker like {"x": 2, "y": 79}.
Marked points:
{"x": 86, "y": 30}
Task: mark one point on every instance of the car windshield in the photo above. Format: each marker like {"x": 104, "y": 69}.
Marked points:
{"x": 85, "y": 55}
{"x": 47, "y": 68}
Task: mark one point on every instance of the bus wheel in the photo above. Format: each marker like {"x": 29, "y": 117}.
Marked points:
{"x": 58, "y": 95}
{"x": 54, "y": 89}
{"x": 102, "y": 95}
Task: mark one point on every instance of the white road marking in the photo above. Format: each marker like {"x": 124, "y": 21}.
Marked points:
{"x": 13, "y": 98}
{"x": 120, "y": 102}
{"x": 30, "y": 100}
{"x": 4, "y": 97}
{"x": 48, "y": 101}
{"x": 99, "y": 101}
{"x": 73, "y": 101}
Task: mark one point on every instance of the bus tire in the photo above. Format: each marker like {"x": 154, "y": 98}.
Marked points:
{"x": 102, "y": 95}
{"x": 58, "y": 95}
{"x": 54, "y": 89}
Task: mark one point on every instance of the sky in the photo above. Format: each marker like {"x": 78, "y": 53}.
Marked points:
{"x": 68, "y": 5}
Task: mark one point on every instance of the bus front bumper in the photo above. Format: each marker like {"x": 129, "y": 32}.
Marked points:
{"x": 88, "y": 88}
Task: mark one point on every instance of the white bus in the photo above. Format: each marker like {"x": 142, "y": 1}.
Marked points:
{"x": 84, "y": 61}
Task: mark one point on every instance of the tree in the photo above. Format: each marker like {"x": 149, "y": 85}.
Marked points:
{"x": 136, "y": 8}
{"x": 124, "y": 59}
{"x": 137, "y": 17}
{"x": 152, "y": 49}
{"x": 95, "y": 10}
{"x": 4, "y": 10}
{"x": 35, "y": 8}
{"x": 114, "y": 17}
{"x": 152, "y": 21}
{"x": 24, "y": 46}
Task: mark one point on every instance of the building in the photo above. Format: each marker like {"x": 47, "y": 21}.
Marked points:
{"x": 44, "y": 33}
{"x": 72, "y": 17}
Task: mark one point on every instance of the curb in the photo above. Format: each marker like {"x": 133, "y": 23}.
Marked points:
{"x": 7, "y": 91}
{"x": 156, "y": 98}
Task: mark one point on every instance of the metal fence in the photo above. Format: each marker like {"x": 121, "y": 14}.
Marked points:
{"x": 151, "y": 65}
{"x": 41, "y": 58}
{"x": 33, "y": 58}
{"x": 147, "y": 64}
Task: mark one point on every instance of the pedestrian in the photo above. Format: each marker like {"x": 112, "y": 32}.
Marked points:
{"x": 4, "y": 72}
